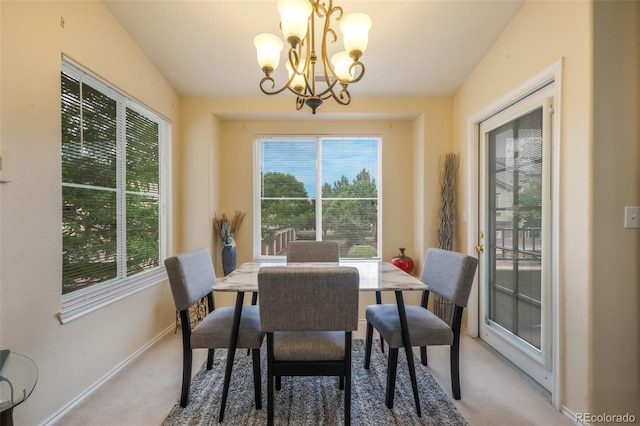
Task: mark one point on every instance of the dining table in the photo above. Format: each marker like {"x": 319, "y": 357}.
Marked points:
{"x": 375, "y": 276}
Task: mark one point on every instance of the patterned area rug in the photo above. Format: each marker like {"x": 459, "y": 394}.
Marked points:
{"x": 316, "y": 400}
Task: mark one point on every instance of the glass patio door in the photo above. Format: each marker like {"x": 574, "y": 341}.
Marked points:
{"x": 514, "y": 248}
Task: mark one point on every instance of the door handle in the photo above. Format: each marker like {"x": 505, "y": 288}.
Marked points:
{"x": 480, "y": 248}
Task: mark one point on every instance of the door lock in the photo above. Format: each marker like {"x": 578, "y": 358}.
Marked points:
{"x": 480, "y": 248}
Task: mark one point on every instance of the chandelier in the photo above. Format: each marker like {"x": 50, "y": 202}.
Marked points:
{"x": 298, "y": 24}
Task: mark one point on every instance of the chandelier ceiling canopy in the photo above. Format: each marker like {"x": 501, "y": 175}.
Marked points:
{"x": 298, "y": 25}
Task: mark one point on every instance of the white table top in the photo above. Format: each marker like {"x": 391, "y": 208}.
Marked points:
{"x": 374, "y": 276}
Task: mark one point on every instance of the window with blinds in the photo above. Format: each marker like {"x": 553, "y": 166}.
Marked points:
{"x": 114, "y": 158}
{"x": 318, "y": 188}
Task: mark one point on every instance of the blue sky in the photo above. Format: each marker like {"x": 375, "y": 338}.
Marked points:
{"x": 298, "y": 158}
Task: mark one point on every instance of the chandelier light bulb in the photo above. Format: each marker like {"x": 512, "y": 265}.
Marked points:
{"x": 298, "y": 82}
{"x": 355, "y": 31}
{"x": 294, "y": 19}
{"x": 268, "y": 47}
{"x": 341, "y": 63}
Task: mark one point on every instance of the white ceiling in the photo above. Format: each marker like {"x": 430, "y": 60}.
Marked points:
{"x": 416, "y": 48}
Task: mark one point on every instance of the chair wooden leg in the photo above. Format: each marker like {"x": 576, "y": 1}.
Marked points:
{"x": 186, "y": 376}
{"x": 186, "y": 357}
{"x": 454, "y": 353}
{"x": 270, "y": 385}
{"x": 210, "y": 354}
{"x": 423, "y": 355}
{"x": 367, "y": 346}
{"x": 341, "y": 385}
{"x": 391, "y": 376}
{"x": 278, "y": 382}
{"x": 257, "y": 378}
{"x": 455, "y": 370}
{"x": 347, "y": 379}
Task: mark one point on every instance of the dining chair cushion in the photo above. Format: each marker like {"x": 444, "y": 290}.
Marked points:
{"x": 308, "y": 346}
{"x": 425, "y": 328}
{"x": 214, "y": 330}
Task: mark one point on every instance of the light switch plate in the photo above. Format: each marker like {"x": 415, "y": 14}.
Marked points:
{"x": 632, "y": 217}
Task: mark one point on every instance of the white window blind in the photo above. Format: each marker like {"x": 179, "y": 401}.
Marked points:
{"x": 114, "y": 194}
{"x": 318, "y": 188}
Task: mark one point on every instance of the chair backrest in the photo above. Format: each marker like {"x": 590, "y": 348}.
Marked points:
{"x": 449, "y": 274}
{"x": 308, "y": 298}
{"x": 313, "y": 251}
{"x": 191, "y": 276}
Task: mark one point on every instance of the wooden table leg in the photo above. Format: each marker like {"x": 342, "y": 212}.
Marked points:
{"x": 233, "y": 342}
{"x": 379, "y": 301}
{"x": 407, "y": 348}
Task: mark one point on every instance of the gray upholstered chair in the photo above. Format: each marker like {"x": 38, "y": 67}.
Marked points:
{"x": 313, "y": 251}
{"x": 309, "y": 251}
{"x": 317, "y": 251}
{"x": 308, "y": 314}
{"x": 192, "y": 277}
{"x": 448, "y": 274}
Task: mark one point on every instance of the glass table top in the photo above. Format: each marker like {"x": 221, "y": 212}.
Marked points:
{"x": 18, "y": 377}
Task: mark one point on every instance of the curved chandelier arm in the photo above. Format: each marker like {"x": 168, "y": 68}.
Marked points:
{"x": 294, "y": 60}
{"x": 343, "y": 97}
{"x": 357, "y": 69}
{"x": 326, "y": 9}
{"x": 294, "y": 57}
{"x": 273, "y": 85}
{"x": 344, "y": 93}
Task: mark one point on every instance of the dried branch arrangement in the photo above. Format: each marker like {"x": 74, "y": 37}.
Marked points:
{"x": 447, "y": 208}
{"x": 227, "y": 228}
{"x": 442, "y": 307}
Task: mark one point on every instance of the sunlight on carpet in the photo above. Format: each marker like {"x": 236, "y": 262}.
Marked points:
{"x": 316, "y": 400}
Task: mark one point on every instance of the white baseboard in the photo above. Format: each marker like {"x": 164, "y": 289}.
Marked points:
{"x": 571, "y": 416}
{"x": 57, "y": 416}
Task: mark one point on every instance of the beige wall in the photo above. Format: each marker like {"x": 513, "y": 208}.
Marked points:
{"x": 230, "y": 145}
{"x": 212, "y": 140}
{"x": 598, "y": 277}
{"x": 72, "y": 357}
{"x": 615, "y": 362}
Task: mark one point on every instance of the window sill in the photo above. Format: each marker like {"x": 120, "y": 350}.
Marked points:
{"x": 88, "y": 300}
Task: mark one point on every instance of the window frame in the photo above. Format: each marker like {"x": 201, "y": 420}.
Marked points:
{"x": 318, "y": 138}
{"x": 86, "y": 300}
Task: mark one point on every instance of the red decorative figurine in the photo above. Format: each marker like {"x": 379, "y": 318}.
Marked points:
{"x": 403, "y": 262}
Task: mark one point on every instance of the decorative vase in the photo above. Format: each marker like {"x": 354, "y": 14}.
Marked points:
{"x": 403, "y": 262}
{"x": 228, "y": 259}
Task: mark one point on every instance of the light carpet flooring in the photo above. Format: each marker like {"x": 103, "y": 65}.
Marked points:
{"x": 144, "y": 391}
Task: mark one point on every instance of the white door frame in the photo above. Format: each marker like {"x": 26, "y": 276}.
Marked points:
{"x": 552, "y": 73}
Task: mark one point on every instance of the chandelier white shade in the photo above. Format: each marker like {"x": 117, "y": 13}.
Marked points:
{"x": 355, "y": 30}
{"x": 294, "y": 18}
{"x": 268, "y": 47}
{"x": 335, "y": 73}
